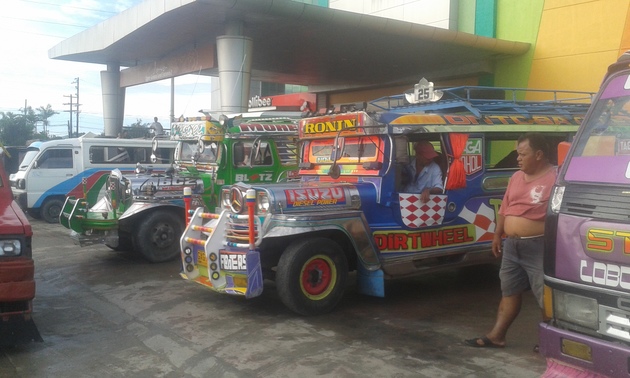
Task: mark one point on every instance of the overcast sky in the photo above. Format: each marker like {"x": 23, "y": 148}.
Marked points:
{"x": 30, "y": 28}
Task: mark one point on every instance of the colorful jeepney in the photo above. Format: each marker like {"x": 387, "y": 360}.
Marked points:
{"x": 587, "y": 246}
{"x": 146, "y": 212}
{"x": 349, "y": 211}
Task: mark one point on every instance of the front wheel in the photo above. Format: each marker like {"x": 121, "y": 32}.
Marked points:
{"x": 311, "y": 276}
{"x": 157, "y": 236}
{"x": 51, "y": 209}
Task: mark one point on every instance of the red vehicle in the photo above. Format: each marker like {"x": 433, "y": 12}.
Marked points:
{"x": 17, "y": 282}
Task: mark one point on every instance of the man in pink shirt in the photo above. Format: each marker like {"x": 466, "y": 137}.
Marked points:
{"x": 522, "y": 219}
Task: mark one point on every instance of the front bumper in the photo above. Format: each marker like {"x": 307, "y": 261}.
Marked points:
{"x": 17, "y": 284}
{"x": 607, "y": 359}
{"x": 220, "y": 266}
{"x": 107, "y": 237}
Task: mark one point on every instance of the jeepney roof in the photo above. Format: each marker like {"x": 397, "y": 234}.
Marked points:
{"x": 460, "y": 109}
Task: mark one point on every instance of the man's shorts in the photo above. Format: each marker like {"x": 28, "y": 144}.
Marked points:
{"x": 522, "y": 267}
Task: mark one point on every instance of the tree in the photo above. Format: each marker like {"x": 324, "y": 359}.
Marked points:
{"x": 137, "y": 129}
{"x": 44, "y": 114}
{"x": 17, "y": 129}
{"x": 139, "y": 124}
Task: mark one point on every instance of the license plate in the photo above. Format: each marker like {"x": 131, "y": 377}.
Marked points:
{"x": 201, "y": 258}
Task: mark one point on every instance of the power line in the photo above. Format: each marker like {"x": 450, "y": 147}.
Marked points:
{"x": 67, "y": 6}
{"x": 33, "y": 33}
{"x": 45, "y": 22}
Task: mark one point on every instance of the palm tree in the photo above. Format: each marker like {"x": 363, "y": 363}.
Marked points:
{"x": 44, "y": 114}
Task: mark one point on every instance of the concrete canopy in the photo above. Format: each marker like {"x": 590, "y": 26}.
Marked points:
{"x": 294, "y": 43}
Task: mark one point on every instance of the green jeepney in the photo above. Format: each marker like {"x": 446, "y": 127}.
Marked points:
{"x": 146, "y": 212}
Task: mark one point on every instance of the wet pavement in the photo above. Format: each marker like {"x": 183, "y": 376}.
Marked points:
{"x": 112, "y": 314}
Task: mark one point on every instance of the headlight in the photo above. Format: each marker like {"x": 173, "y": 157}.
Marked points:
{"x": 262, "y": 203}
{"x": 556, "y": 198}
{"x": 576, "y": 309}
{"x": 10, "y": 247}
{"x": 21, "y": 184}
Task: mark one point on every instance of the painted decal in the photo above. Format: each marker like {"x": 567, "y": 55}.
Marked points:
{"x": 328, "y": 125}
{"x": 472, "y": 156}
{"x": 602, "y": 242}
{"x": 233, "y": 261}
{"x": 612, "y": 246}
{"x": 623, "y": 147}
{"x": 255, "y": 177}
{"x": 269, "y": 127}
{"x": 450, "y": 119}
{"x": 194, "y": 129}
{"x": 315, "y": 197}
{"x": 482, "y": 217}
{"x": 416, "y": 214}
{"x": 401, "y": 241}
{"x": 611, "y": 275}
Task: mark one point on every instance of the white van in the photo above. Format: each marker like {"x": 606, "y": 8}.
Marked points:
{"x": 53, "y": 170}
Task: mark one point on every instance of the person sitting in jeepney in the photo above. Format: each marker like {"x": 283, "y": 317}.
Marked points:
{"x": 424, "y": 174}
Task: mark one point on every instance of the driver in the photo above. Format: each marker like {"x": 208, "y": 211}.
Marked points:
{"x": 424, "y": 173}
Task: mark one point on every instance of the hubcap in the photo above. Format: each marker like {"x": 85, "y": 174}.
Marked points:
{"x": 318, "y": 277}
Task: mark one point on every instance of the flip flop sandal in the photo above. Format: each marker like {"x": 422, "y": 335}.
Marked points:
{"x": 485, "y": 343}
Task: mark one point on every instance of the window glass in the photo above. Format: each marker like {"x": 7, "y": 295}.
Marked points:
{"x": 128, "y": 154}
{"x": 30, "y": 155}
{"x": 258, "y": 154}
{"x": 607, "y": 132}
{"x": 353, "y": 150}
{"x": 602, "y": 151}
{"x": 56, "y": 158}
{"x": 501, "y": 154}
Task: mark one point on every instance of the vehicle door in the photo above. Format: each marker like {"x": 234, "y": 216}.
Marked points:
{"x": 254, "y": 161}
{"x": 52, "y": 174}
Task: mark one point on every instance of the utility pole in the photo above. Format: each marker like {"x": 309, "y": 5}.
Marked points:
{"x": 76, "y": 81}
{"x": 71, "y": 110}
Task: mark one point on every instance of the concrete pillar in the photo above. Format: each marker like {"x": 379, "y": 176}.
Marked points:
{"x": 234, "y": 57}
{"x": 113, "y": 100}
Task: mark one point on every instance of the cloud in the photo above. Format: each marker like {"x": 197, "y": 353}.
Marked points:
{"x": 32, "y": 27}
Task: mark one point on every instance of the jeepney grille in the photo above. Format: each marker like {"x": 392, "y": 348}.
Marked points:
{"x": 237, "y": 230}
{"x": 614, "y": 322}
{"x": 598, "y": 202}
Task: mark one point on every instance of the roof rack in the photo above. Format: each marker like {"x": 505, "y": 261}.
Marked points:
{"x": 482, "y": 101}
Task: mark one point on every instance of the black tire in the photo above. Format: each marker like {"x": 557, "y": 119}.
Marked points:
{"x": 311, "y": 276}
{"x": 51, "y": 209}
{"x": 157, "y": 236}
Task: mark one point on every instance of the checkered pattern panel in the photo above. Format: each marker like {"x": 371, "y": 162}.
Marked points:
{"x": 483, "y": 219}
{"x": 416, "y": 214}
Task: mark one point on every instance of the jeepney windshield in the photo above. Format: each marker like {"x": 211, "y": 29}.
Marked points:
{"x": 350, "y": 150}
{"x": 188, "y": 149}
{"x": 602, "y": 150}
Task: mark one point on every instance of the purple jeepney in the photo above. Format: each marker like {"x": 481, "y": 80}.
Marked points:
{"x": 587, "y": 249}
